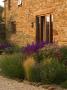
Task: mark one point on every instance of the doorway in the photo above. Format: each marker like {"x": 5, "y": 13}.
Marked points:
{"x": 44, "y": 28}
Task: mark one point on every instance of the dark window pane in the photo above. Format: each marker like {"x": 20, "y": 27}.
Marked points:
{"x": 37, "y": 30}
{"x": 13, "y": 27}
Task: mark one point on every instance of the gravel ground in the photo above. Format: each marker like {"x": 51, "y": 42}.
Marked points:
{"x": 9, "y": 84}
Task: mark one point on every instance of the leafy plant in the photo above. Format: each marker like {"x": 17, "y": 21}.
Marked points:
{"x": 63, "y": 50}
{"x": 39, "y": 56}
{"x": 64, "y": 84}
{"x": 53, "y": 72}
{"x": 34, "y": 73}
{"x": 11, "y": 66}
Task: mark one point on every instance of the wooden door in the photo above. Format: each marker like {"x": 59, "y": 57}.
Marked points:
{"x": 44, "y": 29}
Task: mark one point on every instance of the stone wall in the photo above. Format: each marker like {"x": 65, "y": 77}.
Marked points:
{"x": 25, "y": 15}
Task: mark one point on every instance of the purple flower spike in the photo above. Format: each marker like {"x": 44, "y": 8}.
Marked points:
{"x": 33, "y": 48}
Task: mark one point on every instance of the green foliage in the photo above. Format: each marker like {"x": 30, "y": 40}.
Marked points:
{"x": 39, "y": 56}
{"x": 64, "y": 84}
{"x": 47, "y": 66}
{"x": 34, "y": 73}
{"x": 47, "y": 71}
{"x": 63, "y": 50}
{"x": 48, "y": 52}
{"x": 51, "y": 69}
{"x": 53, "y": 72}
{"x": 11, "y": 66}
{"x": 55, "y": 52}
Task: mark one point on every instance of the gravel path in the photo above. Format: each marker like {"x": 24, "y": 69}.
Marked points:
{"x": 9, "y": 84}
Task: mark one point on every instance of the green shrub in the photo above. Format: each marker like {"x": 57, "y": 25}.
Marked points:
{"x": 47, "y": 71}
{"x": 56, "y": 52}
{"x": 53, "y": 72}
{"x": 64, "y": 84}
{"x": 39, "y": 56}
{"x": 63, "y": 50}
{"x": 11, "y": 66}
{"x": 53, "y": 69}
{"x": 48, "y": 52}
{"x": 53, "y": 59}
{"x": 34, "y": 73}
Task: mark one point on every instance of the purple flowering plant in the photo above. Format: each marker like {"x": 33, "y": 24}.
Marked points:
{"x": 34, "y": 48}
{"x": 7, "y": 48}
{"x": 4, "y": 45}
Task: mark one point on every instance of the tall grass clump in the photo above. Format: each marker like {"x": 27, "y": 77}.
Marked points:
{"x": 48, "y": 71}
{"x": 64, "y": 84}
{"x": 34, "y": 73}
{"x": 28, "y": 64}
{"x": 53, "y": 64}
{"x": 53, "y": 72}
{"x": 11, "y": 65}
{"x": 63, "y": 50}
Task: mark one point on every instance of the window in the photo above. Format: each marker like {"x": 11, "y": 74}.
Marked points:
{"x": 37, "y": 30}
{"x": 49, "y": 28}
{"x": 44, "y": 28}
{"x": 19, "y": 2}
{"x": 13, "y": 27}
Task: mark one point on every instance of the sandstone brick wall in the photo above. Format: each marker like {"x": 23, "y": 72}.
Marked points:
{"x": 25, "y": 15}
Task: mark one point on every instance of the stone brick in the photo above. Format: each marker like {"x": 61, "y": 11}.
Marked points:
{"x": 24, "y": 16}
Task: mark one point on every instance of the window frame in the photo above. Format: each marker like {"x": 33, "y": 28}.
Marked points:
{"x": 44, "y": 28}
{"x": 20, "y": 3}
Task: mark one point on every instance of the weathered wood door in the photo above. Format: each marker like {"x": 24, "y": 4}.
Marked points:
{"x": 44, "y": 29}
